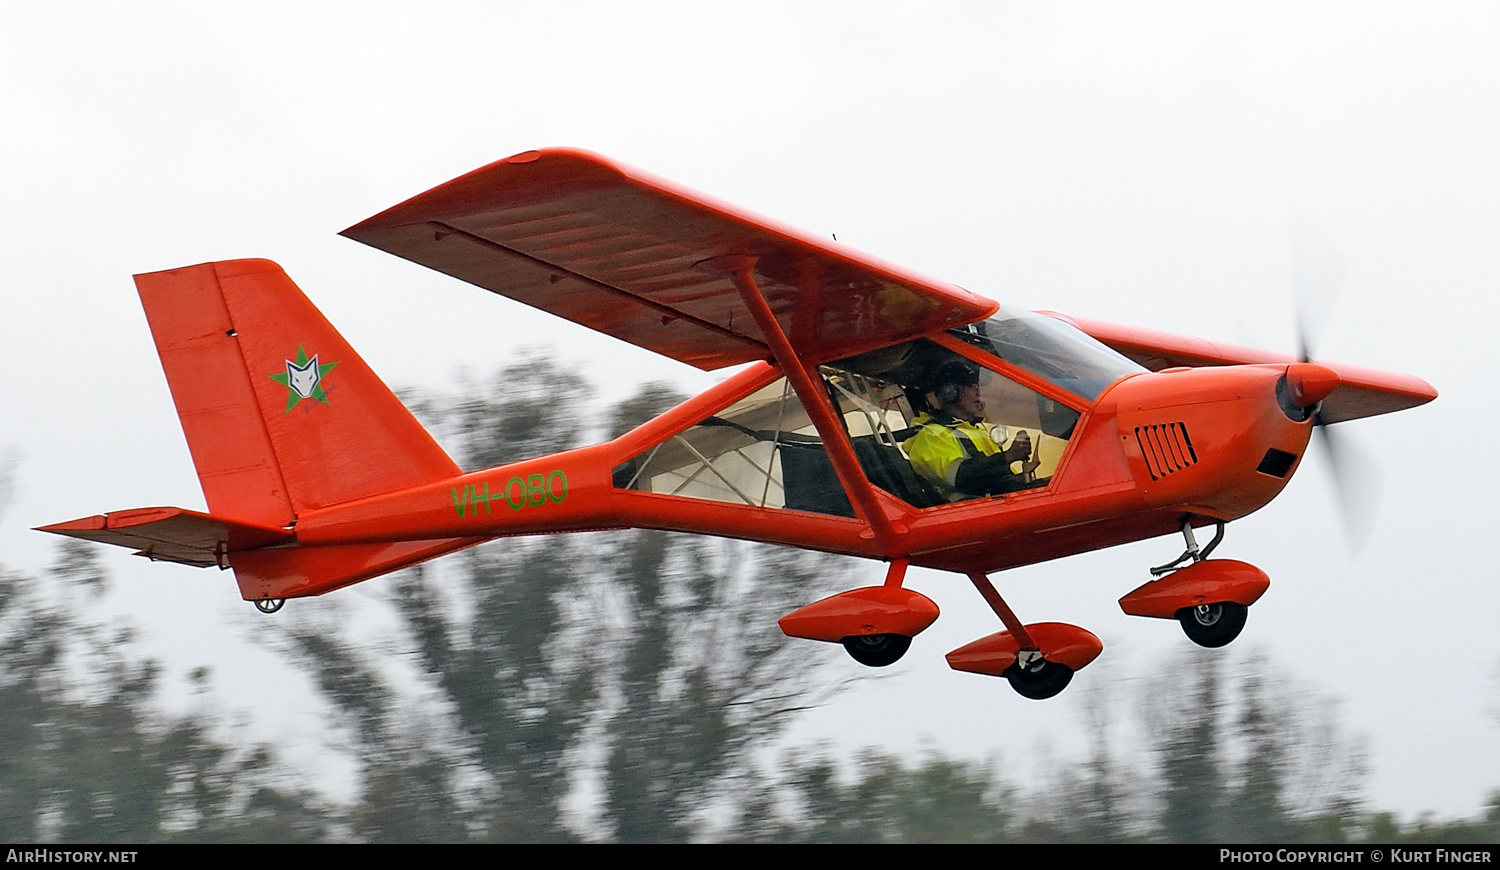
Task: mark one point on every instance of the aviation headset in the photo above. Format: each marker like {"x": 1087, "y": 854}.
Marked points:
{"x": 951, "y": 379}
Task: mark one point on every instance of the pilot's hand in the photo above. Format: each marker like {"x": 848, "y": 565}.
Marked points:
{"x": 1019, "y": 449}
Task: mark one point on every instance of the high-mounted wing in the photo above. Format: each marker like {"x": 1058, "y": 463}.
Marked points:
{"x": 1362, "y": 392}
{"x": 633, "y": 256}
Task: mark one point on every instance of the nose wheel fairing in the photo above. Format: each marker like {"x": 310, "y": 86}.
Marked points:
{"x": 1210, "y": 581}
{"x": 1210, "y": 598}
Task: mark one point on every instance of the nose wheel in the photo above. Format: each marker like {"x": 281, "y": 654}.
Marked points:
{"x": 1213, "y": 625}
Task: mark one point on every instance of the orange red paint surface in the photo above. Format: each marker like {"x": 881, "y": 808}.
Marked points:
{"x": 317, "y": 477}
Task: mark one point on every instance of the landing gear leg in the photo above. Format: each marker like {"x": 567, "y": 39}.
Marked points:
{"x": 1002, "y": 610}
{"x": 1192, "y": 552}
{"x": 1032, "y": 675}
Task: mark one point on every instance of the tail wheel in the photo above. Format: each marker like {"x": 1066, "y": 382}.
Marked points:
{"x": 270, "y": 605}
{"x": 877, "y": 650}
{"x": 1213, "y": 625}
{"x": 1040, "y": 680}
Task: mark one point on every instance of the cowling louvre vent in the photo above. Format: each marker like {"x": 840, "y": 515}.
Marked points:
{"x": 1166, "y": 447}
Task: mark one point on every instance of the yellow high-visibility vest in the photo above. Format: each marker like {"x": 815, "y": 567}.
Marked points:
{"x": 941, "y": 446}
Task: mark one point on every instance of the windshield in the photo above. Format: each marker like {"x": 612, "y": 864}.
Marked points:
{"x": 1050, "y": 349}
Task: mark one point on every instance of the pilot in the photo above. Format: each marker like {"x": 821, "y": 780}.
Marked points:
{"x": 954, "y": 451}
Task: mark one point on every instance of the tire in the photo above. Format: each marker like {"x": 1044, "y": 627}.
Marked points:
{"x": 1213, "y": 625}
{"x": 1041, "y": 681}
{"x": 877, "y": 650}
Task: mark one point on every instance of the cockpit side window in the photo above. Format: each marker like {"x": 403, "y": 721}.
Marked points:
{"x": 898, "y": 410}
{"x": 762, "y": 451}
{"x": 898, "y": 405}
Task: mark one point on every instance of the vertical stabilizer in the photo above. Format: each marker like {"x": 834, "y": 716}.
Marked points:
{"x": 280, "y": 413}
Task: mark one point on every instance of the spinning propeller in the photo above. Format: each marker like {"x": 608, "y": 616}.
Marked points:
{"x": 1318, "y": 275}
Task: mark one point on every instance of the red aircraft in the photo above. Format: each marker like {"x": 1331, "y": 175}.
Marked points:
{"x": 881, "y": 414}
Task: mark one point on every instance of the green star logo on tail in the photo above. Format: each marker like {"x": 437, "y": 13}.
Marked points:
{"x": 303, "y": 379}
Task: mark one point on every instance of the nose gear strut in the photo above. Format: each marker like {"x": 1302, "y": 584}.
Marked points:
{"x": 1192, "y": 552}
{"x": 1209, "y": 598}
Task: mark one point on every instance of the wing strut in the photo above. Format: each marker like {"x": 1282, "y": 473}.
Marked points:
{"x": 845, "y": 464}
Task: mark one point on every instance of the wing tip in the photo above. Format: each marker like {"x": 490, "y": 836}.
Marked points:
{"x": 95, "y": 523}
{"x": 453, "y": 195}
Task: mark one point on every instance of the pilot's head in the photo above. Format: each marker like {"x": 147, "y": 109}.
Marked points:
{"x": 955, "y": 391}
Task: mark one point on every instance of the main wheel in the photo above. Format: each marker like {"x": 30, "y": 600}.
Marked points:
{"x": 877, "y": 650}
{"x": 1213, "y": 625}
{"x": 1041, "y": 681}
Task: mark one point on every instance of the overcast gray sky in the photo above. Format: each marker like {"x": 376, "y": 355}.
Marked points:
{"x": 1131, "y": 163}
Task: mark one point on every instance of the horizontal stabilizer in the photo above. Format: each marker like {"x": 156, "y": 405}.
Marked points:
{"x": 1362, "y": 392}
{"x": 261, "y": 567}
{"x": 169, "y": 534}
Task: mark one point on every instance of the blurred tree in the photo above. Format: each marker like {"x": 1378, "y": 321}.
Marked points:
{"x": 640, "y": 669}
{"x": 1099, "y": 799}
{"x": 1188, "y": 724}
{"x": 936, "y": 800}
{"x": 1243, "y": 759}
{"x": 1384, "y": 827}
{"x": 655, "y": 654}
{"x": 84, "y": 755}
{"x": 10, "y": 461}
{"x": 702, "y": 676}
{"x": 1255, "y": 808}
